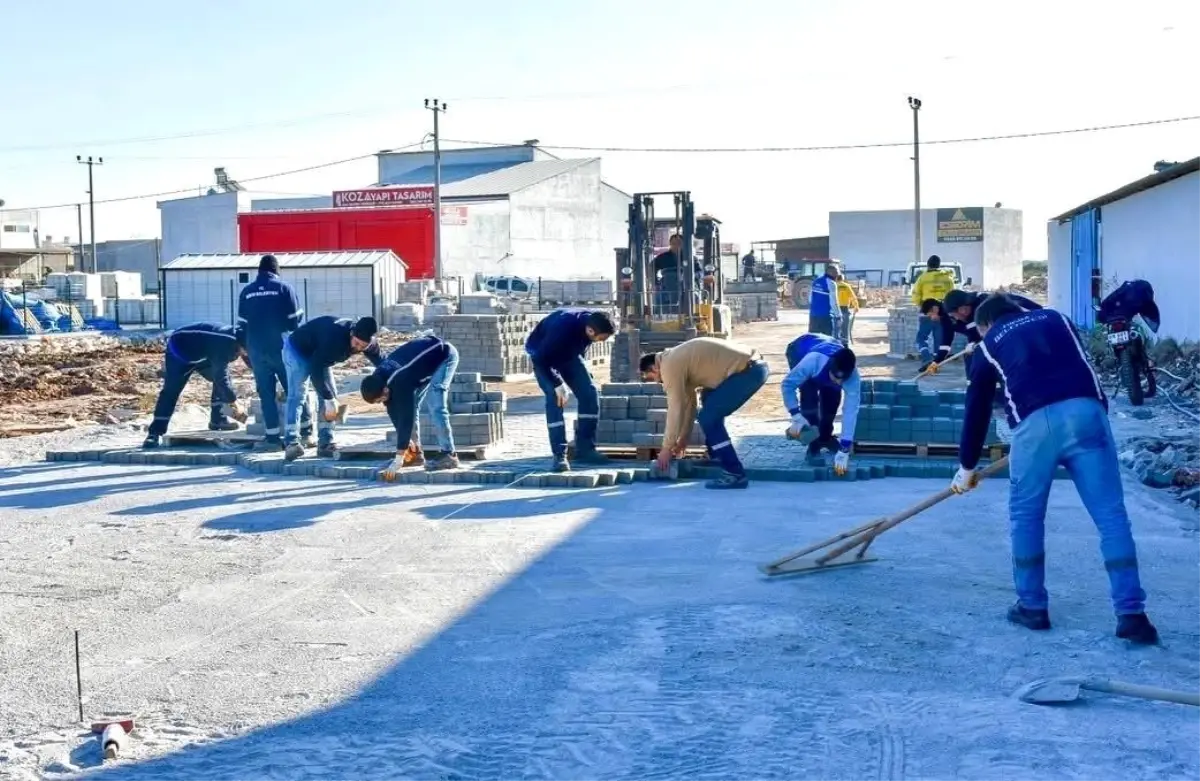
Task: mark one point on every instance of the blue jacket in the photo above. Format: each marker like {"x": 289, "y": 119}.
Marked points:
{"x": 950, "y": 326}
{"x": 822, "y": 301}
{"x": 811, "y": 354}
{"x": 1135, "y": 297}
{"x": 406, "y": 371}
{"x": 561, "y": 337}
{"x": 324, "y": 342}
{"x": 268, "y": 308}
{"x": 208, "y": 348}
{"x": 1040, "y": 359}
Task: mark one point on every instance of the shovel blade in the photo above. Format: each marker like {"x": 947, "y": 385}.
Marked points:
{"x": 1049, "y": 691}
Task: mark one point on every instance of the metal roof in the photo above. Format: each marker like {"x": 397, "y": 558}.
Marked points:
{"x": 512, "y": 179}
{"x": 234, "y": 260}
{"x": 1141, "y": 185}
{"x": 451, "y": 173}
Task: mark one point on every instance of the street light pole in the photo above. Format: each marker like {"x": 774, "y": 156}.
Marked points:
{"x": 437, "y": 107}
{"x": 91, "y": 163}
{"x": 915, "y": 105}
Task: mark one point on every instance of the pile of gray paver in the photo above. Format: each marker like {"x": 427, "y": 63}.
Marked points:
{"x": 903, "y": 321}
{"x": 634, "y": 414}
{"x": 476, "y": 415}
{"x": 492, "y": 345}
{"x": 404, "y": 317}
{"x": 578, "y": 291}
{"x": 894, "y": 411}
{"x": 752, "y": 301}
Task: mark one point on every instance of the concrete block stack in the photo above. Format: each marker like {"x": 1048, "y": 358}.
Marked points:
{"x": 624, "y": 366}
{"x": 901, "y": 412}
{"x": 476, "y": 415}
{"x": 416, "y": 292}
{"x": 903, "y": 321}
{"x": 579, "y": 291}
{"x": 479, "y": 304}
{"x": 121, "y": 284}
{"x": 491, "y": 345}
{"x": 634, "y": 414}
{"x": 440, "y": 308}
{"x": 404, "y": 317}
{"x": 752, "y": 301}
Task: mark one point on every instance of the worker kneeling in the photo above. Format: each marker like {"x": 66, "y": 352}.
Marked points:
{"x": 727, "y": 375}
{"x": 206, "y": 349}
{"x": 1059, "y": 417}
{"x": 820, "y": 371}
{"x": 416, "y": 373}
{"x": 556, "y": 347}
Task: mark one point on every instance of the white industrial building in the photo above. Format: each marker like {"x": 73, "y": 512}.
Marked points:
{"x": 206, "y": 288}
{"x": 506, "y": 210}
{"x": 987, "y": 242}
{"x": 1148, "y": 229}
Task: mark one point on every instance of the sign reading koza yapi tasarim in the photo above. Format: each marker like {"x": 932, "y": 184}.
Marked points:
{"x": 420, "y": 195}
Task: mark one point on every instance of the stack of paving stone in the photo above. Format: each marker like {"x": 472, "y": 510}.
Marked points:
{"x": 491, "y": 345}
{"x": 476, "y": 415}
{"x": 416, "y": 292}
{"x": 903, "y": 321}
{"x": 404, "y": 316}
{"x": 752, "y": 301}
{"x": 901, "y": 412}
{"x": 634, "y": 414}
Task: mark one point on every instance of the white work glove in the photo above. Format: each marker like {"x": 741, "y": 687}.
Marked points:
{"x": 799, "y": 428}
{"x": 841, "y": 462}
{"x": 329, "y": 409}
{"x": 392, "y": 469}
{"x": 970, "y": 348}
{"x": 562, "y": 393}
{"x": 964, "y": 480}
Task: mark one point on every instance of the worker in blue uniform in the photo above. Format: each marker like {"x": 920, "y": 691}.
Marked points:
{"x": 820, "y": 371}
{"x": 958, "y": 317}
{"x": 416, "y": 373}
{"x": 556, "y": 347}
{"x": 309, "y": 354}
{"x": 824, "y": 314}
{"x": 1059, "y": 417}
{"x": 268, "y": 308}
{"x": 206, "y": 349}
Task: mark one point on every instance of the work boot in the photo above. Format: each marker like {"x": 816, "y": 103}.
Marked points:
{"x": 442, "y": 462}
{"x": 818, "y": 445}
{"x": 328, "y": 450}
{"x": 1037, "y": 620}
{"x": 561, "y": 464}
{"x": 270, "y": 445}
{"x": 590, "y": 455}
{"x": 1137, "y": 629}
{"x": 222, "y": 424}
{"x": 728, "y": 480}
{"x": 293, "y": 451}
{"x": 307, "y": 439}
{"x": 151, "y": 442}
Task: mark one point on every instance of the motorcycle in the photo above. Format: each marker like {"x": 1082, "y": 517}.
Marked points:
{"x": 1133, "y": 359}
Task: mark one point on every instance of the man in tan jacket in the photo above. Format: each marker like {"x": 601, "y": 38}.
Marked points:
{"x": 726, "y": 374}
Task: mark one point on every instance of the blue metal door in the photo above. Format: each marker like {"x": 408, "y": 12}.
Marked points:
{"x": 1085, "y": 259}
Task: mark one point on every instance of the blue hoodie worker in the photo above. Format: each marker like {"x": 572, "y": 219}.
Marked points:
{"x": 1059, "y": 417}
{"x": 309, "y": 354}
{"x": 206, "y": 349}
{"x": 556, "y": 347}
{"x": 268, "y": 308}
{"x": 824, "y": 314}
{"x": 958, "y": 317}
{"x": 820, "y": 371}
{"x": 415, "y": 373}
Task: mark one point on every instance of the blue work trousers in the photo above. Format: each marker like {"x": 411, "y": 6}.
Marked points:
{"x": 176, "y": 373}
{"x": 1075, "y": 434}
{"x": 269, "y": 375}
{"x": 575, "y": 374}
{"x": 435, "y": 397}
{"x": 929, "y": 338}
{"x": 298, "y": 374}
{"x": 721, "y": 402}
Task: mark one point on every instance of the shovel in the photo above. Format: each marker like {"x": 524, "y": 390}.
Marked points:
{"x": 1053, "y": 691}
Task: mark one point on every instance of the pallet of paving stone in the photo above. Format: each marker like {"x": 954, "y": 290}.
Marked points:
{"x": 212, "y": 438}
{"x": 378, "y": 452}
{"x": 622, "y": 453}
{"x": 921, "y": 450}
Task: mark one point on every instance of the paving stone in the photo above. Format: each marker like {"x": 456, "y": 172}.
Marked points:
{"x": 585, "y": 480}
{"x": 557, "y": 480}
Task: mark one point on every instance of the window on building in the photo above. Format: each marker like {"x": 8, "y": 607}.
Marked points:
{"x": 244, "y": 277}
{"x": 16, "y": 229}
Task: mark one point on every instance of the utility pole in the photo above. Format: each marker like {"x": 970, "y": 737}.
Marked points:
{"x": 79, "y": 220}
{"x": 90, "y": 163}
{"x": 915, "y": 105}
{"x": 437, "y": 107}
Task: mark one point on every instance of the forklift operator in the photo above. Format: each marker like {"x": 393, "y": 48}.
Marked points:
{"x": 666, "y": 268}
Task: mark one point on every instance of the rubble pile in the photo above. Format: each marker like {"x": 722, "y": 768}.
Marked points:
{"x": 878, "y": 297}
{"x": 1173, "y": 464}
{"x": 1035, "y": 287}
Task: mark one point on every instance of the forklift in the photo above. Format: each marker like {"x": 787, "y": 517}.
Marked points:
{"x": 655, "y": 316}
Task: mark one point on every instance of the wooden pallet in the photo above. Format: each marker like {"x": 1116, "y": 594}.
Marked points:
{"x": 377, "y": 452}
{"x": 630, "y": 452}
{"x": 212, "y": 438}
{"x": 935, "y": 450}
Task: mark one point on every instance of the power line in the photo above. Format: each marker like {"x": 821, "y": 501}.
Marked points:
{"x": 840, "y": 147}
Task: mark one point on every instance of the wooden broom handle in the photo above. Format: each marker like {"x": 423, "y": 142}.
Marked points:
{"x": 951, "y": 359}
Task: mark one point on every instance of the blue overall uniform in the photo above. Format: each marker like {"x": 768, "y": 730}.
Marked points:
{"x": 310, "y": 353}
{"x": 1058, "y": 414}
{"x": 556, "y": 347}
{"x": 268, "y": 308}
{"x": 810, "y": 391}
{"x": 206, "y": 349}
{"x": 823, "y": 307}
{"x": 416, "y": 372}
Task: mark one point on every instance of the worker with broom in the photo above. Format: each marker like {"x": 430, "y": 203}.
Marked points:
{"x": 556, "y": 347}
{"x": 958, "y": 317}
{"x": 415, "y": 373}
{"x": 1059, "y": 417}
{"x": 727, "y": 375}
{"x": 206, "y": 349}
{"x": 309, "y": 354}
{"x": 820, "y": 371}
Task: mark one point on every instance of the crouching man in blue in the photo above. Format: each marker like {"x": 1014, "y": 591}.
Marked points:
{"x": 415, "y": 373}
{"x": 1059, "y": 416}
{"x": 727, "y": 375}
{"x": 206, "y": 349}
{"x": 268, "y": 308}
{"x": 310, "y": 353}
{"x": 820, "y": 370}
{"x": 958, "y": 317}
{"x": 556, "y": 347}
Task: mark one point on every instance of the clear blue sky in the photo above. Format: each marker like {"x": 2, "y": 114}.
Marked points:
{"x": 291, "y": 84}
